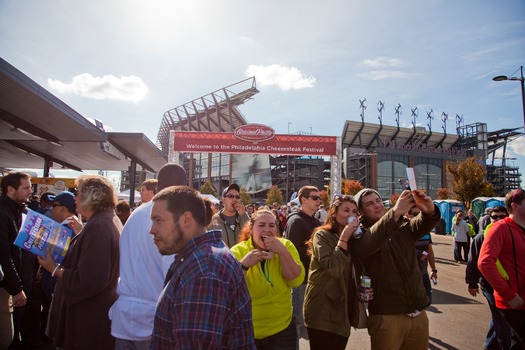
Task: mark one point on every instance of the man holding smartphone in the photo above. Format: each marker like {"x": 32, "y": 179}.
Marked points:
{"x": 397, "y": 313}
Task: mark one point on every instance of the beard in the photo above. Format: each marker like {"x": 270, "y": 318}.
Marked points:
{"x": 176, "y": 241}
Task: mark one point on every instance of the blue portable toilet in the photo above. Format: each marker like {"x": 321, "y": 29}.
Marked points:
{"x": 495, "y": 201}
{"x": 448, "y": 209}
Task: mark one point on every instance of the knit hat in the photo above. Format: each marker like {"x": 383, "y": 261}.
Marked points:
{"x": 364, "y": 191}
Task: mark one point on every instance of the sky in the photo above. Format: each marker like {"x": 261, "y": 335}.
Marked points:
{"x": 127, "y": 62}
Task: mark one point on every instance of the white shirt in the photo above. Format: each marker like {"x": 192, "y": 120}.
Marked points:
{"x": 142, "y": 272}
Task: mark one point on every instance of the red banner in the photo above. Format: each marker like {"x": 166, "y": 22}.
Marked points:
{"x": 214, "y": 142}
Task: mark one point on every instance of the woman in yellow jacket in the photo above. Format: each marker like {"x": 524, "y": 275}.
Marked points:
{"x": 272, "y": 268}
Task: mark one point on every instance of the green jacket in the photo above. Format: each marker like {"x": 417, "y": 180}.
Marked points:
{"x": 326, "y": 296}
{"x": 230, "y": 236}
{"x": 386, "y": 250}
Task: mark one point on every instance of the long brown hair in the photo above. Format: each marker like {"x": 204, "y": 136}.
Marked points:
{"x": 331, "y": 224}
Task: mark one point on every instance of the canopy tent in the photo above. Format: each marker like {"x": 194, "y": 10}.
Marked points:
{"x": 124, "y": 195}
{"x": 211, "y": 198}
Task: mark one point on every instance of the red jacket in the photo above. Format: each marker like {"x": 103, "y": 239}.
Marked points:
{"x": 503, "y": 238}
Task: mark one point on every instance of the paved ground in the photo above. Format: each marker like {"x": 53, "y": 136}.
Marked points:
{"x": 458, "y": 321}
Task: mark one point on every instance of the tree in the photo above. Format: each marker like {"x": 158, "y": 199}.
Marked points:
{"x": 468, "y": 180}
{"x": 351, "y": 187}
{"x": 443, "y": 193}
{"x": 325, "y": 198}
{"x": 207, "y": 188}
{"x": 245, "y": 197}
{"x": 274, "y": 195}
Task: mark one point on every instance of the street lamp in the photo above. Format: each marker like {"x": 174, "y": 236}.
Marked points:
{"x": 520, "y": 78}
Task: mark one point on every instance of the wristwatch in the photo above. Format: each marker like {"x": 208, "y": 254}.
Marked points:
{"x": 435, "y": 271}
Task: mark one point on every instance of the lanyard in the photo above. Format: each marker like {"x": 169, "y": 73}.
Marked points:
{"x": 264, "y": 267}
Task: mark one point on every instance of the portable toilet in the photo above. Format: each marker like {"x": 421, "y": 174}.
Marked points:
{"x": 478, "y": 205}
{"x": 495, "y": 201}
{"x": 448, "y": 209}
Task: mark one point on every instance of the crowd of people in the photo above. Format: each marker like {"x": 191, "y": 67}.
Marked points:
{"x": 175, "y": 273}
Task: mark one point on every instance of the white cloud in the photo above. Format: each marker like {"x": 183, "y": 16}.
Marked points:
{"x": 383, "y": 74}
{"x": 129, "y": 88}
{"x": 286, "y": 78}
{"x": 381, "y": 62}
{"x": 518, "y": 146}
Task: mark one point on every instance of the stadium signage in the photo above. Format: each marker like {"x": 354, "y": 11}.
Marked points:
{"x": 254, "y": 133}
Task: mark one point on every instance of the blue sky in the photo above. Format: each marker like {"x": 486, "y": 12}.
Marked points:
{"x": 126, "y": 62}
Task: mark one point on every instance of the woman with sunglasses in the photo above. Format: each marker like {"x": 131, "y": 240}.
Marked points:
{"x": 327, "y": 298}
{"x": 272, "y": 267}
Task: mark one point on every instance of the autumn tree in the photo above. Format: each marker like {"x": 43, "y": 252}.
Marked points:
{"x": 207, "y": 188}
{"x": 245, "y": 197}
{"x": 443, "y": 193}
{"x": 325, "y": 198}
{"x": 351, "y": 187}
{"x": 274, "y": 195}
{"x": 468, "y": 180}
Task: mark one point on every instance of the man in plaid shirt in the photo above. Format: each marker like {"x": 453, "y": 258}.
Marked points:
{"x": 205, "y": 303}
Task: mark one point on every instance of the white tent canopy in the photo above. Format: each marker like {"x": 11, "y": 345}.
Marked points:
{"x": 124, "y": 195}
{"x": 211, "y": 198}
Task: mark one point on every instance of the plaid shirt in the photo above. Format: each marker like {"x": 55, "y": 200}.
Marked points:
{"x": 205, "y": 304}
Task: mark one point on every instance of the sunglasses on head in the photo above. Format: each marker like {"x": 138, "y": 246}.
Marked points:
{"x": 496, "y": 217}
{"x": 236, "y": 196}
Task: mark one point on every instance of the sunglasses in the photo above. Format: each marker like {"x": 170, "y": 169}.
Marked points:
{"x": 236, "y": 196}
{"x": 496, "y": 217}
{"x": 315, "y": 198}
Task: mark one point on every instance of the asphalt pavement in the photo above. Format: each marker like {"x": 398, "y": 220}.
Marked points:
{"x": 457, "y": 320}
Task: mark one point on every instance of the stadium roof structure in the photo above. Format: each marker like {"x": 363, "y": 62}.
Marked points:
{"x": 215, "y": 112}
{"x": 369, "y": 136}
{"x": 37, "y": 130}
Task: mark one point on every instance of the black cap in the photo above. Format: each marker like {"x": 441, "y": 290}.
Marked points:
{"x": 231, "y": 187}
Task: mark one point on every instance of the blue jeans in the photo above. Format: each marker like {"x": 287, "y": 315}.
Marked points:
{"x": 297, "y": 305}
{"x": 498, "y": 334}
{"x": 284, "y": 340}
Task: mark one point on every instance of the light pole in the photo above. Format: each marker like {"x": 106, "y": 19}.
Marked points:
{"x": 288, "y": 171}
{"x": 522, "y": 80}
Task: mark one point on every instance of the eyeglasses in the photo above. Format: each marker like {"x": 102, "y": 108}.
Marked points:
{"x": 515, "y": 194}
{"x": 236, "y": 196}
{"x": 315, "y": 198}
{"x": 496, "y": 217}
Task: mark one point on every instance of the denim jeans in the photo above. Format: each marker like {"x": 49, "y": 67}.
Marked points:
{"x": 498, "y": 334}
{"x": 297, "y": 305}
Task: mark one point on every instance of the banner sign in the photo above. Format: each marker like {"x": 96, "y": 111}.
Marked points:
{"x": 214, "y": 142}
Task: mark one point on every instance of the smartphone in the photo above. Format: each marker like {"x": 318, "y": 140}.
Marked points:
{"x": 404, "y": 184}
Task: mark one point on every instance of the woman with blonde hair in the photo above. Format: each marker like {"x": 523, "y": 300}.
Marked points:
{"x": 272, "y": 267}
{"x": 327, "y": 299}
{"x": 87, "y": 279}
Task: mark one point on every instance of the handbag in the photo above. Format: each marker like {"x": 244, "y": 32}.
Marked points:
{"x": 359, "y": 319}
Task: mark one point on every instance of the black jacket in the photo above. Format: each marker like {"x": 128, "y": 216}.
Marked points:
{"x": 472, "y": 275}
{"x": 10, "y": 255}
{"x": 299, "y": 229}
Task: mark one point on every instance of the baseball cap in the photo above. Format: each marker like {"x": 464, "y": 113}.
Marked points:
{"x": 231, "y": 187}
{"x": 67, "y": 199}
